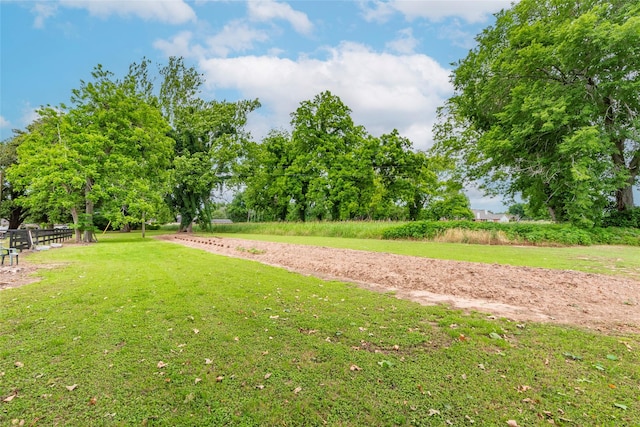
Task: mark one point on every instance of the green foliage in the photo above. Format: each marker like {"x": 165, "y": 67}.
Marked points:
{"x": 546, "y": 107}
{"x": 624, "y": 218}
{"x": 9, "y": 206}
{"x": 520, "y": 233}
{"x": 330, "y": 169}
{"x": 209, "y": 141}
{"x": 247, "y": 344}
{"x": 109, "y": 150}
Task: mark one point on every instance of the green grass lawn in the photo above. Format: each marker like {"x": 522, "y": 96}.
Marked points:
{"x": 143, "y": 332}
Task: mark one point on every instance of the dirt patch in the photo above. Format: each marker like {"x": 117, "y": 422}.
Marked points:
{"x": 18, "y": 275}
{"x": 594, "y": 301}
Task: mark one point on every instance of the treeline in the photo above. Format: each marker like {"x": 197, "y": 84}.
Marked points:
{"x": 329, "y": 168}
{"x": 148, "y": 146}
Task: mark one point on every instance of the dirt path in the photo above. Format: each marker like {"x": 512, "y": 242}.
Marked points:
{"x": 593, "y": 301}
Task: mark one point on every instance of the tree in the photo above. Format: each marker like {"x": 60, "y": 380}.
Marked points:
{"x": 9, "y": 208}
{"x": 332, "y": 176}
{"x": 209, "y": 141}
{"x": 547, "y": 106}
{"x": 109, "y": 150}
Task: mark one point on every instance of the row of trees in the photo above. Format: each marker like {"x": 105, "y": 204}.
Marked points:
{"x": 545, "y": 109}
{"x": 130, "y": 149}
{"x": 125, "y": 148}
{"x": 328, "y": 168}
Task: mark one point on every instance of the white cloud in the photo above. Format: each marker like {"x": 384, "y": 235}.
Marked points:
{"x": 266, "y": 10}
{"x": 4, "y": 123}
{"x": 42, "y": 12}
{"x": 376, "y": 10}
{"x": 472, "y": 11}
{"x": 236, "y": 36}
{"x": 405, "y": 42}
{"x": 456, "y": 35}
{"x": 384, "y": 91}
{"x": 29, "y": 114}
{"x": 169, "y": 11}
{"x": 179, "y": 45}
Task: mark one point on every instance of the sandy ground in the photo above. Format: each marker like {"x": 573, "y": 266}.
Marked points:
{"x": 604, "y": 303}
{"x": 593, "y": 301}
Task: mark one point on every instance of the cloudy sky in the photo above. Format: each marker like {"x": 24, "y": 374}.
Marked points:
{"x": 389, "y": 61}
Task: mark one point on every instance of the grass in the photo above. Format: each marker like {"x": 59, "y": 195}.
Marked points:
{"x": 150, "y": 333}
{"x": 351, "y": 229}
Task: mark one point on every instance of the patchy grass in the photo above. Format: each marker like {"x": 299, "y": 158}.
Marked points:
{"x": 145, "y": 332}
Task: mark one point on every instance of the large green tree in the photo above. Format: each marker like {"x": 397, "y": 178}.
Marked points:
{"x": 9, "y": 207}
{"x": 547, "y": 106}
{"x": 108, "y": 150}
{"x": 209, "y": 140}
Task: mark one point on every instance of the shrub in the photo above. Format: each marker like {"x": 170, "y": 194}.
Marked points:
{"x": 513, "y": 233}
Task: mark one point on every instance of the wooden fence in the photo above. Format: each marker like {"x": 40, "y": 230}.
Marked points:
{"x": 27, "y": 239}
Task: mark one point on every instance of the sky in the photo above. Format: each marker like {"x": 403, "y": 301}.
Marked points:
{"x": 388, "y": 60}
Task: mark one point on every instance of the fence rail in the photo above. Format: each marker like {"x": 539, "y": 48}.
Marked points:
{"x": 27, "y": 239}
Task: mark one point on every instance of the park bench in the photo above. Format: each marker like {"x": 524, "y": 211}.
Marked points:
{"x": 8, "y": 252}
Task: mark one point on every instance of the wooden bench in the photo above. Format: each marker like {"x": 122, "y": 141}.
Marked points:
{"x": 8, "y": 252}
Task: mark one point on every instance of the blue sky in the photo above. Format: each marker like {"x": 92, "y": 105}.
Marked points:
{"x": 389, "y": 61}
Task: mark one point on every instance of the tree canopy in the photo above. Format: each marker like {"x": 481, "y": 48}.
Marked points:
{"x": 329, "y": 168}
{"x": 547, "y": 107}
{"x": 109, "y": 150}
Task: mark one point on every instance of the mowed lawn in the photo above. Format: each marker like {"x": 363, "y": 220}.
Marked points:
{"x": 134, "y": 331}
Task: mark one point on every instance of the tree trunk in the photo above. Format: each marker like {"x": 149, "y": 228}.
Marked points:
{"x": 143, "y": 225}
{"x": 88, "y": 234}
{"x": 74, "y": 216}
{"x": 624, "y": 196}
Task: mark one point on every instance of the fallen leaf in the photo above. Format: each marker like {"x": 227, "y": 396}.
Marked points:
{"x": 512, "y": 423}
{"x": 612, "y": 386}
{"x": 219, "y": 378}
{"x": 236, "y": 339}
{"x": 523, "y": 388}
{"x": 71, "y": 387}
{"x": 481, "y": 366}
{"x": 297, "y": 390}
{"x": 433, "y": 412}
{"x": 621, "y": 406}
{"x": 260, "y": 387}
{"x": 18, "y": 365}
{"x": 196, "y": 331}
{"x": 208, "y": 361}
{"x": 93, "y": 401}
{"x": 9, "y": 398}
{"x": 495, "y": 336}
{"x": 396, "y": 347}
{"x": 355, "y": 368}
{"x": 611, "y": 357}
{"x": 267, "y": 376}
{"x": 188, "y": 398}
{"x": 197, "y": 380}
{"x": 161, "y": 364}
{"x": 462, "y": 337}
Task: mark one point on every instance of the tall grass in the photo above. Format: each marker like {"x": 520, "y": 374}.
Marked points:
{"x": 351, "y": 229}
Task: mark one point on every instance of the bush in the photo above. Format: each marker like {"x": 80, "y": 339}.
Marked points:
{"x": 516, "y": 233}
{"x": 625, "y": 218}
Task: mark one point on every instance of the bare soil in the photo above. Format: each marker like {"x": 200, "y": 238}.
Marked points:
{"x": 593, "y": 301}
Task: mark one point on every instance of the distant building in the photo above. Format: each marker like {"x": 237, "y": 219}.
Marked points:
{"x": 486, "y": 216}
